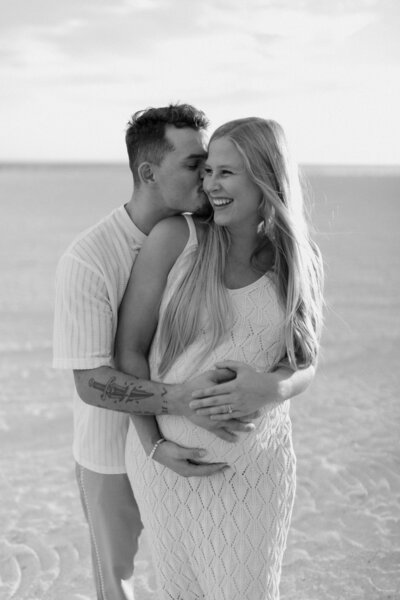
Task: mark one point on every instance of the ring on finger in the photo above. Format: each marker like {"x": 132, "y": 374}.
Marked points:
{"x": 230, "y": 409}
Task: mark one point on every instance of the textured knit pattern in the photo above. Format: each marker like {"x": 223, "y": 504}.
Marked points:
{"x": 222, "y": 537}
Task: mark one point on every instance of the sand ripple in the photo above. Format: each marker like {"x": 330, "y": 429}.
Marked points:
{"x": 344, "y": 542}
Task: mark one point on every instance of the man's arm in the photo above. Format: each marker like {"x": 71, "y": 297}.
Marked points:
{"x": 102, "y": 387}
{"x": 250, "y": 391}
{"x": 111, "y": 389}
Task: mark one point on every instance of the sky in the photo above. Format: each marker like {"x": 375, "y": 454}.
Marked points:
{"x": 73, "y": 72}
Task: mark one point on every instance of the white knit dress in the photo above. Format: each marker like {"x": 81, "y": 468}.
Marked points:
{"x": 221, "y": 537}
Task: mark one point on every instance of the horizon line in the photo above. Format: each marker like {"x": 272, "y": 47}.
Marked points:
{"x": 111, "y": 163}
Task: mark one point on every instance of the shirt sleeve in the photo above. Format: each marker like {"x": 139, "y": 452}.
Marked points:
{"x": 84, "y": 324}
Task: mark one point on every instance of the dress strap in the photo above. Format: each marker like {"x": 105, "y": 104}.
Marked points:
{"x": 192, "y": 230}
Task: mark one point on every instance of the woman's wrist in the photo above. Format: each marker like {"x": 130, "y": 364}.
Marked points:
{"x": 147, "y": 430}
{"x": 155, "y": 446}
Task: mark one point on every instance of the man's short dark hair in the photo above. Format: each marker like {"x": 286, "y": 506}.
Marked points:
{"x": 145, "y": 133}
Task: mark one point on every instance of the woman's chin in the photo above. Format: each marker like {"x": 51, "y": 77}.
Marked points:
{"x": 220, "y": 219}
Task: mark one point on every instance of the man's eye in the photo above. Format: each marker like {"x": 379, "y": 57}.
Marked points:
{"x": 193, "y": 167}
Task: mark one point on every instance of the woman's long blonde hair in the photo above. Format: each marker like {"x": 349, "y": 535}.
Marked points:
{"x": 283, "y": 227}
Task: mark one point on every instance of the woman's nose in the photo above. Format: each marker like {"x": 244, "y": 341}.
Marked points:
{"x": 210, "y": 183}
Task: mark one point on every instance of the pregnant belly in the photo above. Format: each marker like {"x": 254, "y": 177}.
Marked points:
{"x": 183, "y": 432}
{"x": 272, "y": 429}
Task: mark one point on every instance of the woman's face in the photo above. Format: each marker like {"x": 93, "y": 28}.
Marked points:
{"x": 235, "y": 198}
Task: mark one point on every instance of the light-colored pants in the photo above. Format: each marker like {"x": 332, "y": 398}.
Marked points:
{"x": 114, "y": 525}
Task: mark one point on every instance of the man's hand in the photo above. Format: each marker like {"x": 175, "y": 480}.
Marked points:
{"x": 185, "y": 461}
{"x": 246, "y": 393}
{"x": 181, "y": 394}
{"x": 210, "y": 378}
{"x": 230, "y": 427}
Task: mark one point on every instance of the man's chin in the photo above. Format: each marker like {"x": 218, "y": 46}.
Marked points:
{"x": 203, "y": 211}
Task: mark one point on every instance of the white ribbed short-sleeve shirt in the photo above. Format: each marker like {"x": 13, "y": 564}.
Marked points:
{"x": 91, "y": 279}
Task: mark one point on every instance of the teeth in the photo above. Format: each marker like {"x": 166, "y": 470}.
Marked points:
{"x": 221, "y": 201}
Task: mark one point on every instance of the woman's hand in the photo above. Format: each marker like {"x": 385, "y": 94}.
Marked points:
{"x": 246, "y": 394}
{"x": 249, "y": 391}
{"x": 186, "y": 462}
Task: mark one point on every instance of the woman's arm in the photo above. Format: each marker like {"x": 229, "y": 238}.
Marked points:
{"x": 138, "y": 313}
{"x": 137, "y": 323}
{"x": 250, "y": 391}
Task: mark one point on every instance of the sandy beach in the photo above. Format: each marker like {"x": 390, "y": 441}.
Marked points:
{"x": 344, "y": 542}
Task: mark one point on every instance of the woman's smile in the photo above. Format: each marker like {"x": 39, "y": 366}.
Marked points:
{"x": 220, "y": 202}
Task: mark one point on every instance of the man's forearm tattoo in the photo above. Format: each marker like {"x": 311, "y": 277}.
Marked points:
{"x": 164, "y": 402}
{"x": 123, "y": 394}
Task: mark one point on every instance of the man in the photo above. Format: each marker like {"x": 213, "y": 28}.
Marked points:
{"x": 166, "y": 149}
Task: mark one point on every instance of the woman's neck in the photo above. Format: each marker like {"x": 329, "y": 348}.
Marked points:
{"x": 240, "y": 270}
{"x": 242, "y": 244}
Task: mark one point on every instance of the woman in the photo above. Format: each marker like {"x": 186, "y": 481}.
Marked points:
{"x": 247, "y": 287}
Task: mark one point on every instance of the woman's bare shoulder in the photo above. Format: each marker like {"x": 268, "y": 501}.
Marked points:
{"x": 166, "y": 241}
{"x": 171, "y": 225}
{"x": 169, "y": 235}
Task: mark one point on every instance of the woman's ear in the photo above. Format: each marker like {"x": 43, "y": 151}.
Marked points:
{"x": 146, "y": 173}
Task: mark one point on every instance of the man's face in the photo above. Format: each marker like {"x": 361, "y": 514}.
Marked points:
{"x": 180, "y": 174}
